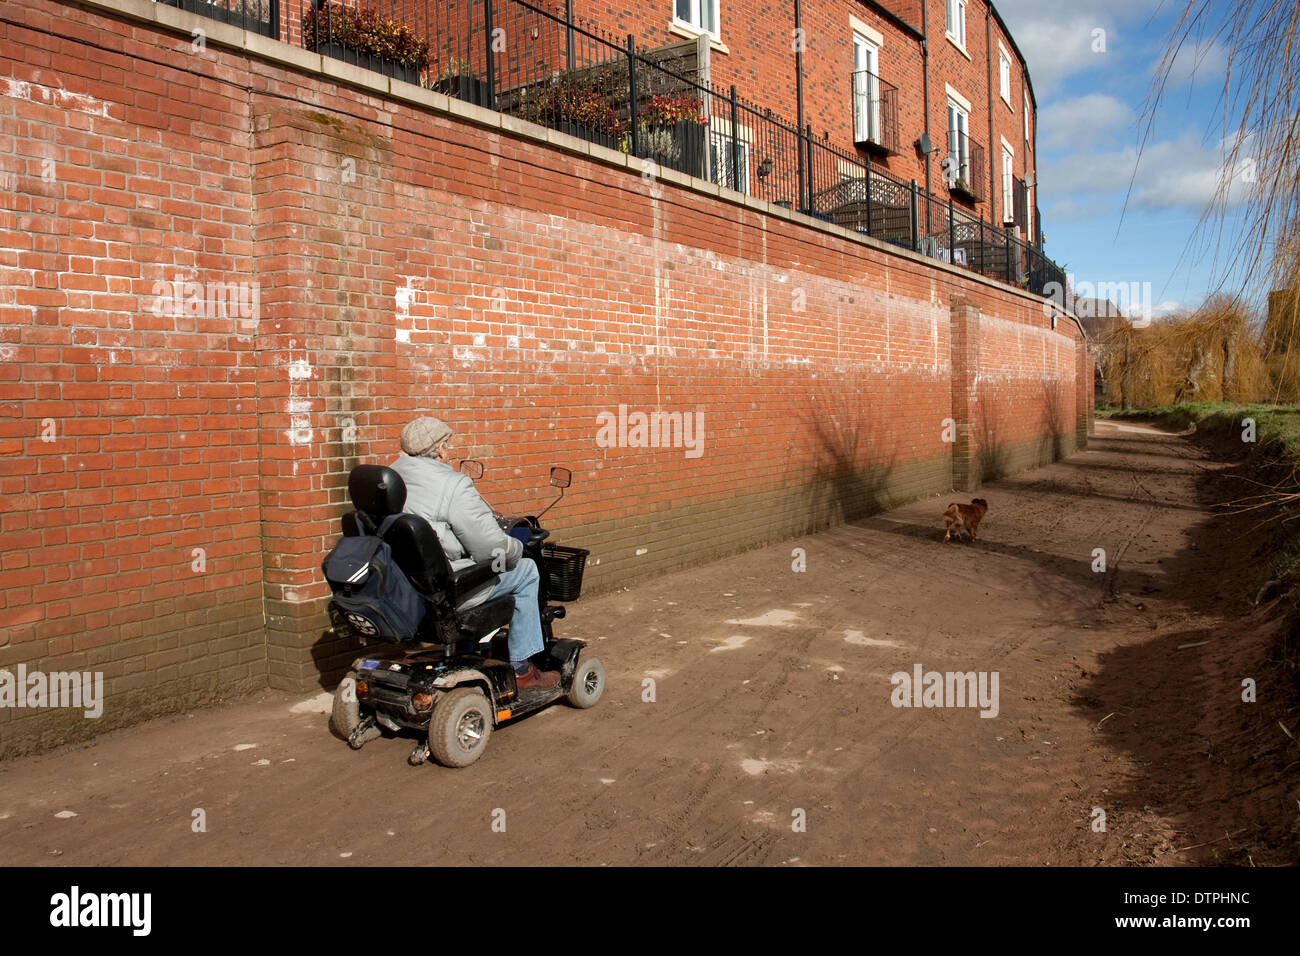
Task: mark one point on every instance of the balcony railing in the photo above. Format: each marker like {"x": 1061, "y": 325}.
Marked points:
{"x": 530, "y": 59}
{"x": 1020, "y": 203}
{"x": 260, "y": 16}
{"x": 966, "y": 167}
{"x": 875, "y": 113}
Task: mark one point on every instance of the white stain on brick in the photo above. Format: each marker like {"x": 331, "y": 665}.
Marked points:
{"x": 300, "y": 369}
{"x": 402, "y": 308}
{"x": 300, "y": 431}
{"x": 52, "y": 96}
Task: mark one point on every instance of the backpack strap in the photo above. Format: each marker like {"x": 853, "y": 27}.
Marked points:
{"x": 364, "y": 524}
{"x": 387, "y": 523}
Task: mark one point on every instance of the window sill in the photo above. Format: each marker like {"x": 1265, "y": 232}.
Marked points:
{"x": 691, "y": 33}
{"x": 960, "y": 49}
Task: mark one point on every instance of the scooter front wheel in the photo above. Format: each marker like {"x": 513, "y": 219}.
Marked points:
{"x": 588, "y": 683}
{"x": 460, "y": 726}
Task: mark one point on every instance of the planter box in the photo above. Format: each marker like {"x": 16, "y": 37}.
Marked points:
{"x": 679, "y": 147}
{"x": 584, "y": 132}
{"x": 468, "y": 88}
{"x": 408, "y": 74}
{"x": 964, "y": 189}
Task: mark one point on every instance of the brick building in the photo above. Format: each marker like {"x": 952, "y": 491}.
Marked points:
{"x": 877, "y": 76}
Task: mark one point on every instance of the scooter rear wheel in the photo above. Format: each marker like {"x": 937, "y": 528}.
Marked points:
{"x": 346, "y": 712}
{"x": 460, "y": 726}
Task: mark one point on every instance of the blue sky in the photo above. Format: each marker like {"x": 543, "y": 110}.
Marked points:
{"x": 1090, "y": 106}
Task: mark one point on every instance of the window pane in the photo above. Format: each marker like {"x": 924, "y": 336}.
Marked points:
{"x": 684, "y": 10}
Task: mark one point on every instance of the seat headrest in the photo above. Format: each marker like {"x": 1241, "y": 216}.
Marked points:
{"x": 377, "y": 490}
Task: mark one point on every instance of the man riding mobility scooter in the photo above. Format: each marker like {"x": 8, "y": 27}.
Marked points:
{"x": 447, "y": 676}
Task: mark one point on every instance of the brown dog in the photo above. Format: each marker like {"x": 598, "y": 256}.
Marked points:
{"x": 964, "y": 518}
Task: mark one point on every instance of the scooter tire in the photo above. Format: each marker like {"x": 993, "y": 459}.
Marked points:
{"x": 460, "y": 727}
{"x": 346, "y": 712}
{"x": 588, "y": 683}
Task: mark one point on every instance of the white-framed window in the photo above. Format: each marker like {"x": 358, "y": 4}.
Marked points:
{"x": 1027, "y": 137}
{"x": 1004, "y": 74}
{"x": 1008, "y": 184}
{"x": 866, "y": 90}
{"x": 956, "y": 22}
{"x": 959, "y": 137}
{"x": 702, "y": 15}
{"x": 720, "y": 160}
{"x": 724, "y": 152}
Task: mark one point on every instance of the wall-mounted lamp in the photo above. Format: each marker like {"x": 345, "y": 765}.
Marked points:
{"x": 764, "y": 168}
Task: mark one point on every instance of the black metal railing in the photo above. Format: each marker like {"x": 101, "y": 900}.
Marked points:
{"x": 261, "y": 16}
{"x": 533, "y": 59}
{"x": 875, "y": 112}
{"x": 1020, "y": 204}
{"x": 965, "y": 167}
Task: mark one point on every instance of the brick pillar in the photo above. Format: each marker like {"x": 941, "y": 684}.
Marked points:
{"x": 964, "y": 336}
{"x": 323, "y": 239}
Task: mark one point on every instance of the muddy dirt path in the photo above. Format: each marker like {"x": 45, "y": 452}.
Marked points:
{"x": 772, "y": 701}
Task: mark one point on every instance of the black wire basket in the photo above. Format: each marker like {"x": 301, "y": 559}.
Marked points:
{"x": 564, "y": 570}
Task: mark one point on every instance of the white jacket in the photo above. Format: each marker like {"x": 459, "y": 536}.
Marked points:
{"x": 463, "y": 521}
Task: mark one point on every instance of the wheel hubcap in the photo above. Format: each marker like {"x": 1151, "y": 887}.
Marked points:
{"x": 469, "y": 729}
{"x": 591, "y": 682}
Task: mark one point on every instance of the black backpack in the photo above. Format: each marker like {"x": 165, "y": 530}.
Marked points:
{"x": 371, "y": 592}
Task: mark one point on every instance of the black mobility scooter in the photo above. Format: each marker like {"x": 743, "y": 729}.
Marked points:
{"x": 451, "y": 680}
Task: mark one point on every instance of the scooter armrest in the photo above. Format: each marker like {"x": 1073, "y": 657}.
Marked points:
{"x": 470, "y": 579}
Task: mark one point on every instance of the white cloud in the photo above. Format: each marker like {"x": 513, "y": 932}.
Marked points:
{"x": 1202, "y": 62}
{"x": 1181, "y": 173}
{"x": 1085, "y": 120}
{"x": 1072, "y": 209}
{"x": 1059, "y": 39}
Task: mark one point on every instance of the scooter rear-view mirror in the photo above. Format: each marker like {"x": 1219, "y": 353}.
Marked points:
{"x": 560, "y": 478}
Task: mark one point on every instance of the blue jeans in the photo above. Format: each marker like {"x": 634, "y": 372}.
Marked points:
{"x": 525, "y": 637}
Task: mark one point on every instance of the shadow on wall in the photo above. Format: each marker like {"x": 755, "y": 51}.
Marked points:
{"x": 997, "y": 458}
{"x": 993, "y": 456}
{"x": 852, "y": 468}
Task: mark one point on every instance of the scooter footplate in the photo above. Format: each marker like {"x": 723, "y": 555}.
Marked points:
{"x": 532, "y": 698}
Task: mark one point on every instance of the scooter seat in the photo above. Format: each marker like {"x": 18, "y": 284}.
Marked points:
{"x": 482, "y": 620}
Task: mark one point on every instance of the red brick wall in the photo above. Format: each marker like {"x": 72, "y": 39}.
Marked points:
{"x": 408, "y": 262}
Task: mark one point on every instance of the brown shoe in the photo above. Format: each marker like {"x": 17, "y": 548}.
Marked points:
{"x": 535, "y": 678}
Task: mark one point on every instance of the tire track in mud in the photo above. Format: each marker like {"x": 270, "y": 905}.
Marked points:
{"x": 693, "y": 811}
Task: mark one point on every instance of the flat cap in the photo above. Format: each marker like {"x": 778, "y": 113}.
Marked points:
{"x": 424, "y": 435}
